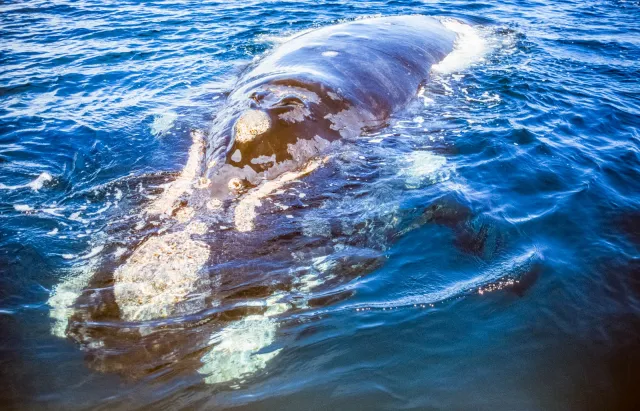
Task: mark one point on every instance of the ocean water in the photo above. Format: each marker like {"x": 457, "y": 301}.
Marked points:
{"x": 480, "y": 252}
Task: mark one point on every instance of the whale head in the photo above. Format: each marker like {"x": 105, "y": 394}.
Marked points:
{"x": 275, "y": 121}
{"x": 277, "y": 128}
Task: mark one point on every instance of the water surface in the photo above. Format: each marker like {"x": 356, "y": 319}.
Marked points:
{"x": 498, "y": 215}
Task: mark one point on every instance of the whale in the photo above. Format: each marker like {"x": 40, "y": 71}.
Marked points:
{"x": 289, "y": 112}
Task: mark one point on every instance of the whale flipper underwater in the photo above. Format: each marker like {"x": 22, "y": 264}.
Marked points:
{"x": 287, "y": 112}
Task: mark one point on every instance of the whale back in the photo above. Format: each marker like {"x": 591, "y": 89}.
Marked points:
{"x": 375, "y": 64}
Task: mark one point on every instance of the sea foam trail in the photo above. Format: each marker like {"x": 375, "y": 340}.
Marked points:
{"x": 35, "y": 185}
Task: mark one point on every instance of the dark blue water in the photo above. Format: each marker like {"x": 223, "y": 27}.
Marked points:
{"x": 520, "y": 289}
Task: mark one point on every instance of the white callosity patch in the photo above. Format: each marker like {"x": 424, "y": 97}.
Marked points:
{"x": 236, "y": 348}
{"x": 333, "y": 96}
{"x": 296, "y": 115}
{"x": 183, "y": 184}
{"x": 235, "y": 351}
{"x": 240, "y": 349}
{"x": 159, "y": 276}
{"x": 305, "y": 149}
{"x": 350, "y": 121}
{"x": 330, "y": 53}
{"x": 65, "y": 294}
{"x": 237, "y": 156}
{"x": 235, "y": 185}
{"x": 264, "y": 159}
{"x": 214, "y": 204}
{"x": 161, "y": 273}
{"x": 470, "y": 47}
{"x": 251, "y": 124}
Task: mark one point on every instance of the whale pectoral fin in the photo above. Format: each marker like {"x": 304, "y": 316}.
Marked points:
{"x": 473, "y": 234}
{"x": 527, "y": 279}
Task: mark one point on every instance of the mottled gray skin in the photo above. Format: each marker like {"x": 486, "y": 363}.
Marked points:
{"x": 322, "y": 86}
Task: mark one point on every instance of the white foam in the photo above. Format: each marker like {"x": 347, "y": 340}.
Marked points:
{"x": 276, "y": 39}
{"x": 470, "y": 47}
{"x": 23, "y": 208}
{"x": 76, "y": 217}
{"x": 163, "y": 123}
{"x": 93, "y": 252}
{"x": 35, "y": 185}
{"x": 502, "y": 271}
{"x": 39, "y": 182}
{"x": 102, "y": 209}
{"x": 422, "y": 167}
{"x": 54, "y": 211}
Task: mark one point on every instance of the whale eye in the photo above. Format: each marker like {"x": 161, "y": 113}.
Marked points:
{"x": 290, "y": 101}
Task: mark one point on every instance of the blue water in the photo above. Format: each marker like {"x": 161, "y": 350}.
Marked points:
{"x": 521, "y": 290}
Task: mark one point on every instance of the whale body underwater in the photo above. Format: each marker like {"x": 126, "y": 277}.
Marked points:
{"x": 287, "y": 112}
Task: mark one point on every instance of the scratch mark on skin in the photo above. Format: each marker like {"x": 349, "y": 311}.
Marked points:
{"x": 306, "y": 95}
